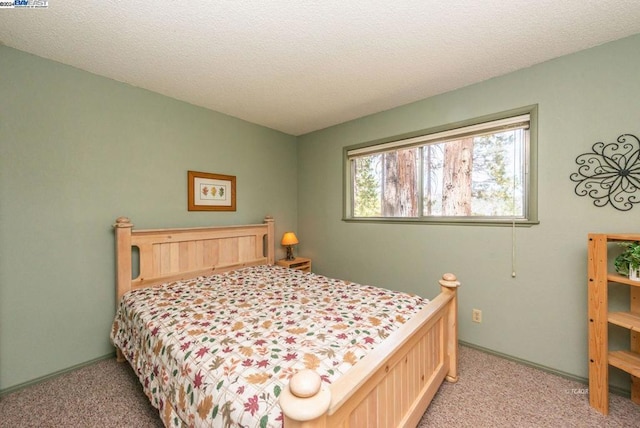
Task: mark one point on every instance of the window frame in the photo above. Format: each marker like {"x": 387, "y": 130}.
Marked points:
{"x": 530, "y": 179}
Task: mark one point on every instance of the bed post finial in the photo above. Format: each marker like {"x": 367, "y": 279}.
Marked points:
{"x": 449, "y": 284}
{"x": 449, "y": 281}
{"x": 123, "y": 222}
{"x": 304, "y": 400}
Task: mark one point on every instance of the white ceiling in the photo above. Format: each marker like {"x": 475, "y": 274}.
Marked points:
{"x": 302, "y": 65}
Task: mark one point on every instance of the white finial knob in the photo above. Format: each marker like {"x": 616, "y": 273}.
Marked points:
{"x": 449, "y": 280}
{"x": 449, "y": 277}
{"x": 123, "y": 222}
{"x": 304, "y": 398}
{"x": 305, "y": 383}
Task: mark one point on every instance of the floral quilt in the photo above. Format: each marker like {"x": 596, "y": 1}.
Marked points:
{"x": 217, "y": 351}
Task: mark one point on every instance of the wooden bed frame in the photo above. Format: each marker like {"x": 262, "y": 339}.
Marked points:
{"x": 391, "y": 386}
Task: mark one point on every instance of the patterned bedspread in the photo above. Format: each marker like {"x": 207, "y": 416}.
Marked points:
{"x": 217, "y": 351}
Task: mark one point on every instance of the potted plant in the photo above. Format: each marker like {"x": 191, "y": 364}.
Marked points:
{"x": 628, "y": 262}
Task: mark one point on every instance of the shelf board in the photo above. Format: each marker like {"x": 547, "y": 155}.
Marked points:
{"x": 627, "y": 320}
{"x": 623, "y": 237}
{"x": 627, "y": 361}
{"x": 614, "y": 277}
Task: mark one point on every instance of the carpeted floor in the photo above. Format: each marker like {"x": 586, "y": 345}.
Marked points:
{"x": 495, "y": 392}
{"x": 491, "y": 392}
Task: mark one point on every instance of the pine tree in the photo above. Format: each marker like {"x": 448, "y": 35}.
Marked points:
{"x": 400, "y": 183}
{"x": 367, "y": 187}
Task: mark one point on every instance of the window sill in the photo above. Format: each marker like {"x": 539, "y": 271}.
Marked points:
{"x": 446, "y": 221}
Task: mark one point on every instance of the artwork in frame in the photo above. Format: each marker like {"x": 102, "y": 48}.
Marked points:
{"x": 211, "y": 192}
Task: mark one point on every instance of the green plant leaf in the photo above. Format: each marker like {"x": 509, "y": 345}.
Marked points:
{"x": 630, "y": 257}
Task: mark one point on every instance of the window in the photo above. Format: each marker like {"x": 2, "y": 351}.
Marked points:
{"x": 480, "y": 171}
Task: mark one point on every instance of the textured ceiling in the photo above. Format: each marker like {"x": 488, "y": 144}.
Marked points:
{"x": 302, "y": 65}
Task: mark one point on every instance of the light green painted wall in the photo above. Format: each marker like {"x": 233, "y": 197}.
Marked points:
{"x": 77, "y": 151}
{"x": 540, "y": 316}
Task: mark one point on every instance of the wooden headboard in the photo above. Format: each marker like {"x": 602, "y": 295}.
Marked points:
{"x": 175, "y": 254}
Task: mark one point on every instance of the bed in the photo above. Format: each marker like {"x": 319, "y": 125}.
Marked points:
{"x": 282, "y": 346}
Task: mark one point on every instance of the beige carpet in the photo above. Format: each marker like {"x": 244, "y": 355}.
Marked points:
{"x": 495, "y": 392}
{"x": 491, "y": 392}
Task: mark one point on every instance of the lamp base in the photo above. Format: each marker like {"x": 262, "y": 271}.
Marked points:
{"x": 289, "y": 253}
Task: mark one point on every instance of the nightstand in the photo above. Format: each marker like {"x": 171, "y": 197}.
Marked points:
{"x": 299, "y": 263}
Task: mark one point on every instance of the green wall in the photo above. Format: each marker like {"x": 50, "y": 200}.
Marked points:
{"x": 540, "y": 316}
{"x": 78, "y": 150}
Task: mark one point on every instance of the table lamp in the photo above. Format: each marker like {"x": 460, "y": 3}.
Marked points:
{"x": 289, "y": 240}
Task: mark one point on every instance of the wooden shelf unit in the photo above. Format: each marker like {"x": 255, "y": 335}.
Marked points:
{"x": 599, "y": 319}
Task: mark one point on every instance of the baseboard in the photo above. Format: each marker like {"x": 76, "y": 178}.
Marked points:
{"x": 613, "y": 389}
{"x": 41, "y": 379}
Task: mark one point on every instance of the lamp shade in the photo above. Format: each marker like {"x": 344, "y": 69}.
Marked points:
{"x": 289, "y": 238}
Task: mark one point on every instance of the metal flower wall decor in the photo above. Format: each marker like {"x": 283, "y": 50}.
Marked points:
{"x": 611, "y": 173}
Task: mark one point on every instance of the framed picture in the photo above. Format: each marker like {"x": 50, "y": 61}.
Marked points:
{"x": 211, "y": 192}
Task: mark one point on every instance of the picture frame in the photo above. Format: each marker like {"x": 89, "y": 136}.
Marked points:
{"x": 210, "y": 192}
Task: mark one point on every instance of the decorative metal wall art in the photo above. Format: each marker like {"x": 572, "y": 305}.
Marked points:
{"x": 611, "y": 174}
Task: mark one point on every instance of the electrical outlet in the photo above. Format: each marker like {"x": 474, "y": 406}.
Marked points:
{"x": 476, "y": 315}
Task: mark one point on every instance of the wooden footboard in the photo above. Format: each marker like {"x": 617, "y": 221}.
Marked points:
{"x": 393, "y": 385}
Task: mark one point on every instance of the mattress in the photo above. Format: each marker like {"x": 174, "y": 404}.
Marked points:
{"x": 218, "y": 350}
